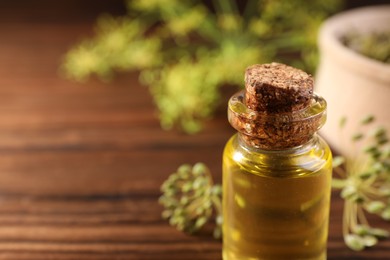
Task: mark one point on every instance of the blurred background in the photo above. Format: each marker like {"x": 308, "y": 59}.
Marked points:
{"x": 55, "y": 130}
{"x": 90, "y": 128}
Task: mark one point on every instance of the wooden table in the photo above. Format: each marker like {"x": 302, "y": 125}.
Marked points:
{"x": 81, "y": 165}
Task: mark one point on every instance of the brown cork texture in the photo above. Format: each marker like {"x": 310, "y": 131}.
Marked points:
{"x": 276, "y": 88}
{"x": 281, "y": 107}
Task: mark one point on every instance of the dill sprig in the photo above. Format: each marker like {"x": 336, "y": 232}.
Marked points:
{"x": 364, "y": 180}
{"x": 191, "y": 199}
{"x": 187, "y": 50}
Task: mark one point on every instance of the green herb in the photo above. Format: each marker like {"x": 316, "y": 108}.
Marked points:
{"x": 375, "y": 45}
{"x": 365, "y": 186}
{"x": 186, "y": 50}
{"x": 191, "y": 199}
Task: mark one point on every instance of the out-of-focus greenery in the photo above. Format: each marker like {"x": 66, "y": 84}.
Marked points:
{"x": 186, "y": 50}
{"x": 374, "y": 45}
{"x": 191, "y": 199}
{"x": 364, "y": 181}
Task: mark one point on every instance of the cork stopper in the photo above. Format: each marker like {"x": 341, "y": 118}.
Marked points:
{"x": 278, "y": 108}
{"x": 276, "y": 88}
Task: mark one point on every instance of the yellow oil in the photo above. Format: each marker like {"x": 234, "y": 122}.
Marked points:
{"x": 276, "y": 203}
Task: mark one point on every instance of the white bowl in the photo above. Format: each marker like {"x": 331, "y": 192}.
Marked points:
{"x": 353, "y": 85}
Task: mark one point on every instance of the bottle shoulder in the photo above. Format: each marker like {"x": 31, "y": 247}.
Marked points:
{"x": 311, "y": 157}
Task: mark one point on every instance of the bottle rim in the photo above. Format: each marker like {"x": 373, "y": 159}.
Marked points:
{"x": 276, "y": 130}
{"x": 316, "y": 108}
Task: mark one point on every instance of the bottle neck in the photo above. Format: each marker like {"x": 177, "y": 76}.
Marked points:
{"x": 251, "y": 145}
{"x": 276, "y": 131}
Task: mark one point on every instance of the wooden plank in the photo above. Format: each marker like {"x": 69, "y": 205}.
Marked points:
{"x": 81, "y": 165}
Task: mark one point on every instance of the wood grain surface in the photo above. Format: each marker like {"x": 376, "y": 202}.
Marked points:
{"x": 81, "y": 164}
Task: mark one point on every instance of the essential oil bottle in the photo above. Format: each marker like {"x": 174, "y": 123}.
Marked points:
{"x": 276, "y": 169}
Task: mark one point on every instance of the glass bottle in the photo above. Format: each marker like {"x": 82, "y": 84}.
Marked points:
{"x": 276, "y": 184}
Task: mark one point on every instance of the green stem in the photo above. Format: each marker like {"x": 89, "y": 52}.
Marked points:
{"x": 217, "y": 7}
{"x": 191, "y": 209}
{"x": 338, "y": 183}
{"x": 233, "y": 7}
{"x": 287, "y": 42}
{"x": 372, "y": 193}
{"x": 209, "y": 31}
{"x": 346, "y": 218}
{"x": 362, "y": 218}
{"x": 250, "y": 9}
{"x": 226, "y": 6}
{"x": 217, "y": 203}
{"x": 353, "y": 215}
